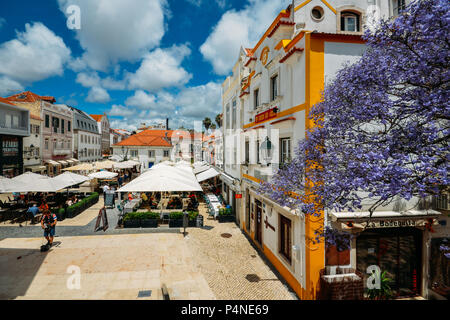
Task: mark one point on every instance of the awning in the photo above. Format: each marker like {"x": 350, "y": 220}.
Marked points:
{"x": 69, "y": 161}
{"x": 383, "y": 219}
{"x": 201, "y": 169}
{"x": 53, "y": 163}
{"x": 227, "y": 178}
{"x": 208, "y": 174}
{"x": 38, "y": 168}
{"x": 74, "y": 160}
{"x": 63, "y": 162}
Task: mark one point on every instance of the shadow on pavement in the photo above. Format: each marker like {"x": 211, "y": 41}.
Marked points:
{"x": 18, "y": 269}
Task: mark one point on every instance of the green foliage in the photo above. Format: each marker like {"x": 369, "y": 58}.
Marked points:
{"x": 225, "y": 212}
{"x": 176, "y": 215}
{"x": 141, "y": 216}
{"x": 385, "y": 291}
{"x": 193, "y": 215}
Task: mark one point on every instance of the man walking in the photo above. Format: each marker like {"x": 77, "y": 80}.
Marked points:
{"x": 48, "y": 223}
{"x": 105, "y": 188}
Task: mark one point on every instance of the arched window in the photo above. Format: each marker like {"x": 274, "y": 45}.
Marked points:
{"x": 350, "y": 21}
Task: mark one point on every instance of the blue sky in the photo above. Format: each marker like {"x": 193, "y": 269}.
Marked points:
{"x": 138, "y": 61}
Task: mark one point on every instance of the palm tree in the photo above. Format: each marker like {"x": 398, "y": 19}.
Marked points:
{"x": 219, "y": 120}
{"x": 213, "y": 126}
{"x": 207, "y": 123}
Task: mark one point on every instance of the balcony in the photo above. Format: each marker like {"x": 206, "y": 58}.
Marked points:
{"x": 61, "y": 152}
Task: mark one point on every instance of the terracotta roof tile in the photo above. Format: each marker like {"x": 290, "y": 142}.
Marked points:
{"x": 29, "y": 96}
{"x": 97, "y": 117}
{"x": 6, "y": 101}
{"x": 144, "y": 141}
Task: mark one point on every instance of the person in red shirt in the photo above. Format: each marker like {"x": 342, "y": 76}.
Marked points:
{"x": 43, "y": 206}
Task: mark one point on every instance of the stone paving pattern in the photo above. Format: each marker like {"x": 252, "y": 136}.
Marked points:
{"x": 118, "y": 263}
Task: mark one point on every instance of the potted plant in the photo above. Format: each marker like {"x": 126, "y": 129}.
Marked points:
{"x": 226, "y": 215}
{"x": 131, "y": 220}
{"x": 149, "y": 219}
{"x": 193, "y": 218}
{"x": 382, "y": 293}
{"x": 176, "y": 220}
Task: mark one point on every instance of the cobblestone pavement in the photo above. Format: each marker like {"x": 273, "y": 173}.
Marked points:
{"x": 230, "y": 264}
{"x": 232, "y": 268}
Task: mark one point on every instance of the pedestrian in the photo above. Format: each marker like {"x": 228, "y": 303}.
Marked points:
{"x": 48, "y": 223}
{"x": 120, "y": 180}
{"x": 105, "y": 188}
{"x": 34, "y": 210}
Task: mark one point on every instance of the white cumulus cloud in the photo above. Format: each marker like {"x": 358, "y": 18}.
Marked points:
{"x": 36, "y": 54}
{"x": 98, "y": 95}
{"x": 116, "y": 30}
{"x": 161, "y": 68}
{"x": 236, "y": 29}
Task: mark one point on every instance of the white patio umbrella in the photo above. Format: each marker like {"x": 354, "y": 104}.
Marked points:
{"x": 108, "y": 164}
{"x": 69, "y": 179}
{"x": 208, "y": 174}
{"x": 32, "y": 182}
{"x": 103, "y": 175}
{"x": 163, "y": 179}
{"x": 81, "y": 167}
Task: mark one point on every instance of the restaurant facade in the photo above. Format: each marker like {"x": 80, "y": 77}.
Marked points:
{"x": 14, "y": 126}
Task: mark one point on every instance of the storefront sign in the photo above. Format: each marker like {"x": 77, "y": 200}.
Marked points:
{"x": 266, "y": 115}
{"x": 238, "y": 196}
{"x": 10, "y": 147}
{"x": 392, "y": 224}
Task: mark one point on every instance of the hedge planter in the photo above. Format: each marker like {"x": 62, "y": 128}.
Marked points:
{"x": 149, "y": 223}
{"x": 227, "y": 218}
{"x": 175, "y": 223}
{"x": 132, "y": 224}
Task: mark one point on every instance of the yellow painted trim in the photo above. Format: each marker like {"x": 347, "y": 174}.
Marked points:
{"x": 281, "y": 114}
{"x": 285, "y": 273}
{"x": 282, "y": 14}
{"x": 249, "y": 81}
{"x": 252, "y": 178}
{"x": 315, "y": 70}
{"x": 283, "y": 44}
{"x": 329, "y": 6}
{"x": 302, "y": 5}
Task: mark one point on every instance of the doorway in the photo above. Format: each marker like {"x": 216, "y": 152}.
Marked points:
{"x": 396, "y": 251}
{"x": 247, "y": 210}
{"x": 258, "y": 222}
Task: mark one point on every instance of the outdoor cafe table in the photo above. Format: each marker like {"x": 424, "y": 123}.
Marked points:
{"x": 131, "y": 205}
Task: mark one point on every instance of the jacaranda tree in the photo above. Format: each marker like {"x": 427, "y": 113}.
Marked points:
{"x": 382, "y": 128}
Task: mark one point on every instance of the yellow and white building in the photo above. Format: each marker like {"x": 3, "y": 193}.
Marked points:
{"x": 273, "y": 88}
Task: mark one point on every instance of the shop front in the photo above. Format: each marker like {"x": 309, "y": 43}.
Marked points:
{"x": 11, "y": 155}
{"x": 393, "y": 243}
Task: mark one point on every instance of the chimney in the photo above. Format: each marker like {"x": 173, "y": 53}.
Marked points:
{"x": 167, "y": 124}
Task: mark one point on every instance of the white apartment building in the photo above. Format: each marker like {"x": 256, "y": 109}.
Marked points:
{"x": 272, "y": 89}
{"x": 32, "y": 149}
{"x": 87, "y": 141}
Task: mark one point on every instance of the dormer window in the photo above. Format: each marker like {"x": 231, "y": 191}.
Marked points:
{"x": 317, "y": 13}
{"x": 350, "y": 21}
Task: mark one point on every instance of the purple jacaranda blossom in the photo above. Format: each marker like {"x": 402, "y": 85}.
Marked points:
{"x": 383, "y": 125}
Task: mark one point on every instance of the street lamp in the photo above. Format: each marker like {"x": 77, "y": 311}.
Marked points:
{"x": 266, "y": 148}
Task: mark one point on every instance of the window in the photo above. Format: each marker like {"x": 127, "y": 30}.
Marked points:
{"x": 273, "y": 87}
{"x": 151, "y": 153}
{"x": 47, "y": 121}
{"x": 62, "y": 125}
{"x": 54, "y": 144}
{"x": 78, "y": 123}
{"x": 257, "y": 151}
{"x": 228, "y": 116}
{"x": 233, "y": 123}
{"x": 350, "y": 21}
{"x": 166, "y": 153}
{"x": 247, "y": 152}
{"x": 68, "y": 126}
{"x": 285, "y": 150}
{"x": 317, "y": 13}
{"x": 256, "y": 99}
{"x": 46, "y": 144}
{"x": 55, "y": 124}
{"x": 134, "y": 153}
{"x": 399, "y": 6}
{"x": 285, "y": 237}
{"x": 440, "y": 202}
